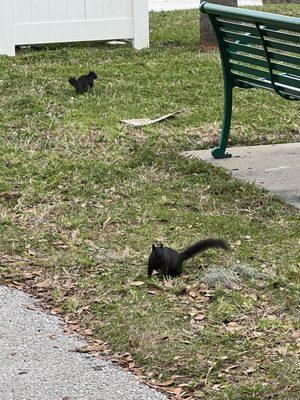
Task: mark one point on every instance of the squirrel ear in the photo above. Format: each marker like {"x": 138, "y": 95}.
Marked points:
{"x": 153, "y": 247}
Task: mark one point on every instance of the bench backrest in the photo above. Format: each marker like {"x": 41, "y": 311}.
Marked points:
{"x": 258, "y": 49}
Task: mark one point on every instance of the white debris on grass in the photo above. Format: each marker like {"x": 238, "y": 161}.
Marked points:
{"x": 229, "y": 277}
{"x": 148, "y": 121}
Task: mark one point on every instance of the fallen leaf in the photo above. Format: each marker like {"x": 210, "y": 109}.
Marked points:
{"x": 165, "y": 384}
{"x": 75, "y": 328}
{"x": 250, "y": 370}
{"x": 147, "y": 121}
{"x": 193, "y": 313}
{"x": 168, "y": 389}
{"x": 88, "y": 349}
{"x": 204, "y": 299}
{"x": 177, "y": 392}
{"x": 282, "y": 350}
{"x": 56, "y": 310}
{"x": 18, "y": 284}
{"x": 29, "y": 307}
{"x": 199, "y": 317}
{"x": 228, "y": 369}
{"x": 29, "y": 275}
{"x": 296, "y": 335}
{"x": 233, "y": 327}
{"x": 137, "y": 283}
{"x": 69, "y": 284}
{"x": 153, "y": 292}
{"x": 199, "y": 393}
{"x": 253, "y": 296}
{"x": 45, "y": 284}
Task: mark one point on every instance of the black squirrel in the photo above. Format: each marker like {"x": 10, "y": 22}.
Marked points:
{"x": 169, "y": 262}
{"x": 84, "y": 82}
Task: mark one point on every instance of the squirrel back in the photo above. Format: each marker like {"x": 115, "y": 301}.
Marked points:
{"x": 169, "y": 262}
{"x": 74, "y": 82}
{"x": 84, "y": 82}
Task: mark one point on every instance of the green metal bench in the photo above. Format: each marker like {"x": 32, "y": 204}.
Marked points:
{"x": 258, "y": 50}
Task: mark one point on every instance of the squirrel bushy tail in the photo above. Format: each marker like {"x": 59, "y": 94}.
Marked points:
{"x": 203, "y": 245}
{"x": 74, "y": 82}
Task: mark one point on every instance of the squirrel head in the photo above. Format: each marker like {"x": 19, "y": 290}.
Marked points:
{"x": 93, "y": 75}
{"x": 157, "y": 252}
{"x": 160, "y": 246}
{"x": 156, "y": 259}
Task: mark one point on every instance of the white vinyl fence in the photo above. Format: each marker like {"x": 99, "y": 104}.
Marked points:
{"x": 25, "y": 22}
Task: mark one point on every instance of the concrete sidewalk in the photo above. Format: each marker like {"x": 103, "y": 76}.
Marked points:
{"x": 38, "y": 362}
{"x": 272, "y": 167}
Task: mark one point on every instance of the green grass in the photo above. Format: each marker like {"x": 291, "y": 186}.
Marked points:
{"x": 75, "y": 184}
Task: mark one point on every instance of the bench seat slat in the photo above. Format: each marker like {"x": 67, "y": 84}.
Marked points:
{"x": 245, "y": 59}
{"x": 234, "y": 46}
{"x": 263, "y": 63}
{"x": 243, "y": 38}
{"x": 283, "y": 79}
{"x": 285, "y": 58}
{"x": 283, "y": 46}
{"x": 248, "y": 70}
{"x": 236, "y": 27}
{"x": 272, "y": 33}
{"x": 278, "y": 34}
{"x": 251, "y": 39}
{"x": 288, "y": 80}
{"x": 260, "y": 52}
{"x": 258, "y": 83}
{"x": 286, "y": 69}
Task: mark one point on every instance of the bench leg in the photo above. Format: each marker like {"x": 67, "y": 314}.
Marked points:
{"x": 220, "y": 152}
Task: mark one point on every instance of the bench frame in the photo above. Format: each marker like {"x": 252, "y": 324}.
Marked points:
{"x": 261, "y": 21}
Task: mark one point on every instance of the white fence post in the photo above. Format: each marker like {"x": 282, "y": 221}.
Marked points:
{"x": 140, "y": 24}
{"x": 7, "y": 29}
